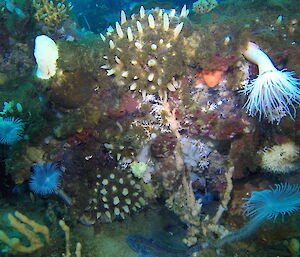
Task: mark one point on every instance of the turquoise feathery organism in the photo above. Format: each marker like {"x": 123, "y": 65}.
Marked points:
{"x": 11, "y": 130}
{"x": 266, "y": 205}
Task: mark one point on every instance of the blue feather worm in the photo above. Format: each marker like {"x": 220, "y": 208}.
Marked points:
{"x": 265, "y": 205}
{"x": 45, "y": 178}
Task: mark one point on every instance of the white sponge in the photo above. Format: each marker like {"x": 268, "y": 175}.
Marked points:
{"x": 46, "y": 54}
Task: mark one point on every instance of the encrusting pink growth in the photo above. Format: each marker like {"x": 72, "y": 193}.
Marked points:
{"x": 273, "y": 93}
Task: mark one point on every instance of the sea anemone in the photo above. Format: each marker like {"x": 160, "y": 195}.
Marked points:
{"x": 269, "y": 204}
{"x": 273, "y": 93}
{"x": 11, "y": 130}
{"x": 45, "y": 178}
{"x": 282, "y": 158}
{"x": 265, "y": 205}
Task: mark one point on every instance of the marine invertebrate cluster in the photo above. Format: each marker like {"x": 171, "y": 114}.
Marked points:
{"x": 138, "y": 168}
{"x": 282, "y": 158}
{"x": 45, "y": 178}
{"x": 128, "y": 104}
{"x": 204, "y": 6}
{"x": 145, "y": 51}
{"x": 273, "y": 93}
{"x": 163, "y": 145}
{"x": 10, "y": 107}
{"x": 51, "y": 12}
{"x": 183, "y": 202}
{"x": 117, "y": 193}
{"x": 11, "y": 130}
{"x": 195, "y": 153}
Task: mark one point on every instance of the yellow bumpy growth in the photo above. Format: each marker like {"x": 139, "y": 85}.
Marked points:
{"x": 51, "y": 13}
{"x": 204, "y": 6}
{"x": 145, "y": 53}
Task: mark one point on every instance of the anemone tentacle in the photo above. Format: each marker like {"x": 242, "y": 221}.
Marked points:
{"x": 269, "y": 204}
{"x": 274, "y": 93}
{"x": 11, "y": 130}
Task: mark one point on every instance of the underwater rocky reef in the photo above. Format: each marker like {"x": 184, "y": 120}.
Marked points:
{"x": 149, "y": 128}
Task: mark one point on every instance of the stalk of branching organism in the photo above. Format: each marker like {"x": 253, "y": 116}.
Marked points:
{"x": 266, "y": 205}
{"x": 273, "y": 93}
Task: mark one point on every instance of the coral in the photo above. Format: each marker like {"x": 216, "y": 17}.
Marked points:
{"x": 163, "y": 145}
{"x": 185, "y": 205}
{"x": 229, "y": 128}
{"x": 27, "y": 156}
{"x": 116, "y": 194}
{"x": 222, "y": 63}
{"x": 138, "y": 168}
{"x": 51, "y": 12}
{"x": 243, "y": 155}
{"x": 45, "y": 178}
{"x": 235, "y": 209}
{"x": 66, "y": 229}
{"x": 219, "y": 65}
{"x": 7, "y": 107}
{"x": 195, "y": 152}
{"x": 226, "y": 196}
{"x": 22, "y": 223}
{"x": 212, "y": 112}
{"x": 143, "y": 53}
{"x": 11, "y": 130}
{"x": 34, "y": 155}
{"x": 273, "y": 93}
{"x": 15, "y": 61}
{"x": 80, "y": 136}
{"x": 204, "y": 6}
{"x": 293, "y": 245}
{"x": 128, "y": 104}
{"x": 72, "y": 89}
{"x": 282, "y": 158}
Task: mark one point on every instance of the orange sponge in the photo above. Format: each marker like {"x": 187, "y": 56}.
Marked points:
{"x": 212, "y": 77}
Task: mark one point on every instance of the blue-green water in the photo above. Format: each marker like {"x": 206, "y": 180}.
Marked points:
{"x": 149, "y": 128}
